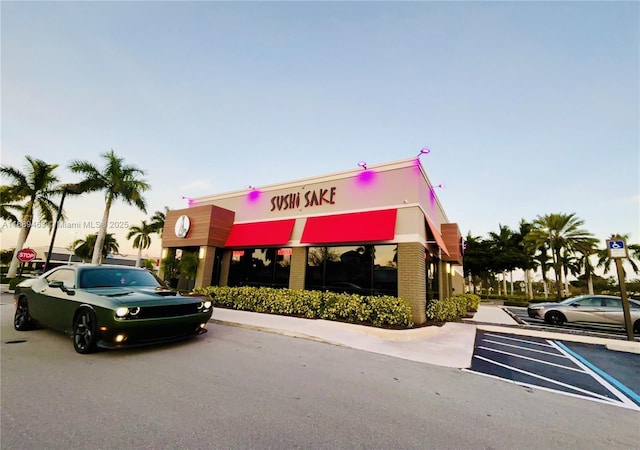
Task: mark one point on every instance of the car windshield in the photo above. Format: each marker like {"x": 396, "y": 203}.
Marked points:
{"x": 116, "y": 277}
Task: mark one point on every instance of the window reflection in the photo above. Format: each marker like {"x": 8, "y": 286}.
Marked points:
{"x": 363, "y": 269}
{"x": 267, "y": 267}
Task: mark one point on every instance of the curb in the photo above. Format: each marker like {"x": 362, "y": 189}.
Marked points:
{"x": 293, "y": 334}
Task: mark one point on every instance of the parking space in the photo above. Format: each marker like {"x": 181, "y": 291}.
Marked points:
{"x": 580, "y": 370}
{"x": 590, "y": 329}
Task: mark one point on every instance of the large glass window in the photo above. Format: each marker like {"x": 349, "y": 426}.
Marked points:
{"x": 433, "y": 276}
{"x": 360, "y": 269}
{"x": 268, "y": 267}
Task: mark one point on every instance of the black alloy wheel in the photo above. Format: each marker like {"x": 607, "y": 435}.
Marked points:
{"x": 22, "y": 320}
{"x": 555, "y": 318}
{"x": 636, "y": 327}
{"x": 85, "y": 332}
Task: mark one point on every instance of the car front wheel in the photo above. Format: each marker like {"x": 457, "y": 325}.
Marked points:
{"x": 636, "y": 327}
{"x": 85, "y": 332}
{"x": 554, "y": 318}
{"x": 22, "y": 320}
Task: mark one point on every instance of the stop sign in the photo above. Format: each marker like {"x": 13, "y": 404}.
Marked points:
{"x": 26, "y": 255}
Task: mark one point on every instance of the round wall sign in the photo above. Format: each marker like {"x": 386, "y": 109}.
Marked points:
{"x": 182, "y": 226}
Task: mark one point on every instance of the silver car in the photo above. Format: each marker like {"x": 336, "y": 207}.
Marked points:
{"x": 602, "y": 309}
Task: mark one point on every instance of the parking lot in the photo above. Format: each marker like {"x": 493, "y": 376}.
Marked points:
{"x": 589, "y": 329}
{"x": 580, "y": 370}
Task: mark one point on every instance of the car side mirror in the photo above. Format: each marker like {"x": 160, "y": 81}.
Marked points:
{"x": 63, "y": 288}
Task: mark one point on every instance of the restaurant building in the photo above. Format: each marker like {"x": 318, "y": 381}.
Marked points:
{"x": 376, "y": 230}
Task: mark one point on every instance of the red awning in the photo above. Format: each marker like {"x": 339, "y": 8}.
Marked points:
{"x": 437, "y": 235}
{"x": 353, "y": 227}
{"x": 275, "y": 232}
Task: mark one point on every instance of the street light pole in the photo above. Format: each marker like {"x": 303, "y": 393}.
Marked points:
{"x": 71, "y": 188}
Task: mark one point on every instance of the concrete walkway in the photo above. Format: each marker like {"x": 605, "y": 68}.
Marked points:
{"x": 450, "y": 345}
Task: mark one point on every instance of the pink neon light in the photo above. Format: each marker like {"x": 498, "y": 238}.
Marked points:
{"x": 366, "y": 177}
{"x": 254, "y": 195}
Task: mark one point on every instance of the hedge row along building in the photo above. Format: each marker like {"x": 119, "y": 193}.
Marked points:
{"x": 376, "y": 230}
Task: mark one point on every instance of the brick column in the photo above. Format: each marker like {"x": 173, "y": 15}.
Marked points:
{"x": 205, "y": 266}
{"x": 298, "y": 268}
{"x": 412, "y": 275}
{"x": 224, "y": 270}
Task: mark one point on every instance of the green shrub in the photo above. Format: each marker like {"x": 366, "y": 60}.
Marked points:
{"x": 379, "y": 311}
{"x": 451, "y": 308}
{"x": 473, "y": 301}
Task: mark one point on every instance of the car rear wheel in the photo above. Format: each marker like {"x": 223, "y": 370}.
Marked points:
{"x": 555, "y": 318}
{"x": 22, "y": 320}
{"x": 85, "y": 331}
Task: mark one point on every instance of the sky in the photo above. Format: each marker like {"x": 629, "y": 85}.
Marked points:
{"x": 529, "y": 108}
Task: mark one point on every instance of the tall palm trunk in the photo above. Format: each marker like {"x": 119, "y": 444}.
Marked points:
{"x": 139, "y": 255}
{"x": 102, "y": 233}
{"x": 558, "y": 274}
{"x": 22, "y": 238}
{"x": 504, "y": 283}
{"x": 529, "y": 287}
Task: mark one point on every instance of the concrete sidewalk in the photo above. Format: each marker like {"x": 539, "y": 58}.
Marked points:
{"x": 450, "y": 345}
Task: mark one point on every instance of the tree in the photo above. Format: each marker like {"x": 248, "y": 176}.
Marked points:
{"x": 84, "y": 248}
{"x": 528, "y": 254}
{"x": 560, "y": 231}
{"x": 584, "y": 251}
{"x": 506, "y": 254}
{"x": 157, "y": 220}
{"x": 142, "y": 239}
{"x": 10, "y": 205}
{"x": 478, "y": 260}
{"x": 36, "y": 185}
{"x": 118, "y": 181}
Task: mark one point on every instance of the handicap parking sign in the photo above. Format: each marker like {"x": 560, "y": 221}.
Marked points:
{"x": 617, "y": 248}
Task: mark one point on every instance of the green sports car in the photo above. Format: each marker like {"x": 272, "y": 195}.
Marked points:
{"x": 108, "y": 307}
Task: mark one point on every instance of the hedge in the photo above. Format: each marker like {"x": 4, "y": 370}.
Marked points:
{"x": 378, "y": 311}
{"x": 452, "y": 308}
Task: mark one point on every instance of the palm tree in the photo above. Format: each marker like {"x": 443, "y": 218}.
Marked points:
{"x": 506, "y": 254}
{"x": 542, "y": 259}
{"x": 561, "y": 231}
{"x": 528, "y": 253}
{"x": 119, "y": 181}
{"x": 157, "y": 220}
{"x": 84, "y": 248}
{"x": 10, "y": 205}
{"x": 606, "y": 262}
{"x": 584, "y": 251}
{"x": 141, "y": 240}
{"x": 35, "y": 186}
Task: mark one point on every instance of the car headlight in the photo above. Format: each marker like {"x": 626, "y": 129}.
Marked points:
{"x": 122, "y": 311}
{"x": 204, "y": 305}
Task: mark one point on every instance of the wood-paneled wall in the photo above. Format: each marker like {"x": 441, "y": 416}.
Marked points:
{"x": 210, "y": 226}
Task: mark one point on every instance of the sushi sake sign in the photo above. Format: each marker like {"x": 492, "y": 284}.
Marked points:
{"x": 617, "y": 248}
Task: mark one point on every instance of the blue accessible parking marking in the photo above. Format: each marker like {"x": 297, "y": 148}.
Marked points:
{"x": 549, "y": 365}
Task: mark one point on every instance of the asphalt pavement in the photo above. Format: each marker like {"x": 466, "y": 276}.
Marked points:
{"x": 449, "y": 345}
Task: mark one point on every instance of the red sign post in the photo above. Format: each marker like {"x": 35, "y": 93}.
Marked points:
{"x": 26, "y": 255}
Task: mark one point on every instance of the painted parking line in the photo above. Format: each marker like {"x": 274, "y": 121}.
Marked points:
{"x": 549, "y": 365}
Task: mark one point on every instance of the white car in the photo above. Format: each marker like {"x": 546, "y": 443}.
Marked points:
{"x": 602, "y": 309}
